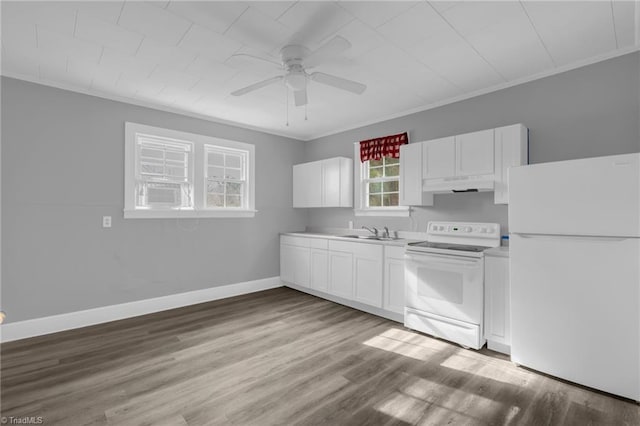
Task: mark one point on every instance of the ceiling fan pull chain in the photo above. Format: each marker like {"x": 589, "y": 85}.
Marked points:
{"x": 305, "y": 112}
{"x": 286, "y": 91}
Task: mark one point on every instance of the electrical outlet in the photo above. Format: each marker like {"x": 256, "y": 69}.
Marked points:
{"x": 350, "y": 224}
{"x": 106, "y": 221}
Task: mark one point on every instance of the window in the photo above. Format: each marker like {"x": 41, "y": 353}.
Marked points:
{"x": 164, "y": 173}
{"x": 377, "y": 188}
{"x": 177, "y": 174}
{"x": 381, "y": 181}
{"x": 226, "y": 177}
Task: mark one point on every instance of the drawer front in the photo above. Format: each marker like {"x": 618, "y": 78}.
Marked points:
{"x": 319, "y": 243}
{"x": 396, "y": 252}
{"x": 342, "y": 246}
{"x": 294, "y": 241}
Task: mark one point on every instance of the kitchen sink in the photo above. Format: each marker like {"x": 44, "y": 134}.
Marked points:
{"x": 370, "y": 237}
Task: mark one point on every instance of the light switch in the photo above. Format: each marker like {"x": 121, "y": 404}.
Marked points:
{"x": 106, "y": 221}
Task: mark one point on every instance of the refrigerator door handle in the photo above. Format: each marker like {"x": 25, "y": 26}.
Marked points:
{"x": 573, "y": 237}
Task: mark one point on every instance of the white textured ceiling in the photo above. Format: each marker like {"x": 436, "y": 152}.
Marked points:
{"x": 411, "y": 54}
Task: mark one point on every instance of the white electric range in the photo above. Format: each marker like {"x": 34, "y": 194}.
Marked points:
{"x": 444, "y": 281}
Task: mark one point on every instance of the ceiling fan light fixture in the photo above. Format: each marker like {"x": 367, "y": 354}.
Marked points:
{"x": 296, "y": 80}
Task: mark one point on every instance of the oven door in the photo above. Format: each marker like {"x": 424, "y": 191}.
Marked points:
{"x": 447, "y": 285}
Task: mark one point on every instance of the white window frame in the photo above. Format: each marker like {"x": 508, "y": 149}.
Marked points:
{"x": 360, "y": 193}
{"x": 201, "y": 144}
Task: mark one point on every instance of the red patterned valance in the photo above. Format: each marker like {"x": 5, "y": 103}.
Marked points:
{"x": 387, "y": 146}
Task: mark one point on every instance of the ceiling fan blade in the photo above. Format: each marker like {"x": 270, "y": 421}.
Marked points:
{"x": 300, "y": 97}
{"x": 338, "y": 82}
{"x": 256, "y": 86}
{"x": 240, "y": 57}
{"x": 332, "y": 48}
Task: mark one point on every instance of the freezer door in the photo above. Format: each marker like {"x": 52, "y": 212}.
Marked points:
{"x": 595, "y": 196}
{"x": 575, "y": 309}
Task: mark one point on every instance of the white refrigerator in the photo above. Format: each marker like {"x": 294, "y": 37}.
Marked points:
{"x": 575, "y": 271}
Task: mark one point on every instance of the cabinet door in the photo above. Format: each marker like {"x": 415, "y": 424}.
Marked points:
{"x": 497, "y": 324}
{"x": 439, "y": 158}
{"x": 331, "y": 182}
{"x": 367, "y": 268}
{"x": 511, "y": 149}
{"x": 319, "y": 278}
{"x": 301, "y": 266}
{"x": 307, "y": 184}
{"x": 287, "y": 260}
{"x": 341, "y": 274}
{"x": 394, "y": 283}
{"x": 411, "y": 193}
{"x": 474, "y": 153}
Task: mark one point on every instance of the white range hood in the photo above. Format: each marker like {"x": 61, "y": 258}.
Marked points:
{"x": 483, "y": 183}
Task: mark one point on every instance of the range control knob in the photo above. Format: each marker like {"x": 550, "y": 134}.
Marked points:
{"x": 467, "y": 229}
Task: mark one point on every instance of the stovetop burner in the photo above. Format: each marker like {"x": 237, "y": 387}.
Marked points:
{"x": 448, "y": 246}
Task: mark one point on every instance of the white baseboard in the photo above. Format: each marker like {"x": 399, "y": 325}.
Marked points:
{"x": 52, "y": 324}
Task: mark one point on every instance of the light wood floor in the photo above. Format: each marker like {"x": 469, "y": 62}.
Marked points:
{"x": 281, "y": 357}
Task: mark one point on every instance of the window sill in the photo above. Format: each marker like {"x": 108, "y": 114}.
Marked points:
{"x": 389, "y": 212}
{"x": 188, "y": 214}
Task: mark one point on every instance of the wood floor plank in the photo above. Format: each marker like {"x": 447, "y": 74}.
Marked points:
{"x": 280, "y": 357}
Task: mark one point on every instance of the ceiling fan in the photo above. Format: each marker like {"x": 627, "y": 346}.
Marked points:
{"x": 296, "y": 59}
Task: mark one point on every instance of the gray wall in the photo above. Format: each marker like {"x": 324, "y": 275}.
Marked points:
{"x": 587, "y": 112}
{"x": 62, "y": 170}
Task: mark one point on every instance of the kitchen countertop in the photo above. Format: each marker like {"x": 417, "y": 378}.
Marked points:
{"x": 399, "y": 242}
{"x": 502, "y": 251}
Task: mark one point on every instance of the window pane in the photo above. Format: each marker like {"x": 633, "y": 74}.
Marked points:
{"x": 234, "y": 188}
{"x": 376, "y": 163}
{"x": 234, "y": 201}
{"x": 151, "y": 169}
{"x": 216, "y": 159}
{"x": 390, "y": 200}
{"x": 392, "y": 170}
{"x": 176, "y": 171}
{"x": 233, "y": 161}
{"x": 388, "y": 160}
{"x": 391, "y": 186}
{"x": 375, "y": 187}
{"x": 375, "y": 200}
{"x": 215, "y": 172}
{"x": 215, "y": 187}
{"x": 151, "y": 153}
{"x": 233, "y": 174}
{"x": 215, "y": 200}
{"x": 375, "y": 172}
{"x": 176, "y": 156}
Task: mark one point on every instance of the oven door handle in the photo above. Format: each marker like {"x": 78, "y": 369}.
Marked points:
{"x": 443, "y": 259}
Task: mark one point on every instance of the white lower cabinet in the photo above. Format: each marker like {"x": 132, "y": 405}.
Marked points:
{"x": 358, "y": 272}
{"x": 294, "y": 260}
{"x": 367, "y": 270}
{"x": 393, "y": 295}
{"x": 319, "y": 265}
{"x": 341, "y": 274}
{"x": 497, "y": 314}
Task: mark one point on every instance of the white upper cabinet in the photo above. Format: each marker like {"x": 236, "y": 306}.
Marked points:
{"x": 439, "y": 158}
{"x": 325, "y": 183}
{"x": 307, "y": 185}
{"x": 511, "y": 149}
{"x": 474, "y": 153}
{"x": 477, "y": 161}
{"x": 411, "y": 193}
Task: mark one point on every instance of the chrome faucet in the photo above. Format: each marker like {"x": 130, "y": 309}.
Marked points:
{"x": 374, "y": 231}
{"x": 385, "y": 234}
